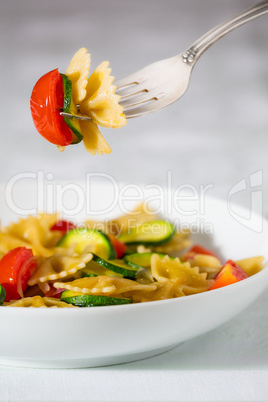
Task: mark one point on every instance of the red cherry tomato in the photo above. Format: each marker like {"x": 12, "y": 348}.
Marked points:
{"x": 63, "y": 226}
{"x": 196, "y": 249}
{"x": 16, "y": 268}
{"x": 52, "y": 292}
{"x": 120, "y": 247}
{"x": 46, "y": 101}
{"x": 230, "y": 273}
{"x": 201, "y": 250}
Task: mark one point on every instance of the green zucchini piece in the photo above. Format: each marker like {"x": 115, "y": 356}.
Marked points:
{"x": 120, "y": 268}
{"x": 82, "y": 300}
{"x": 87, "y": 239}
{"x": 87, "y": 274}
{"x": 69, "y": 107}
{"x": 141, "y": 260}
{"x": 2, "y": 295}
{"x": 95, "y": 269}
{"x": 152, "y": 233}
{"x": 117, "y": 266}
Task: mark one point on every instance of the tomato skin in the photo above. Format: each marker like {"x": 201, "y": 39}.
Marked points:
{"x": 52, "y": 292}
{"x": 196, "y": 249}
{"x": 16, "y": 268}
{"x": 46, "y": 101}
{"x": 202, "y": 250}
{"x": 63, "y": 226}
{"x": 119, "y": 246}
{"x": 230, "y": 273}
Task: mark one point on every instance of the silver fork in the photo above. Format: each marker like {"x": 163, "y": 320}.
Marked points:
{"x": 165, "y": 81}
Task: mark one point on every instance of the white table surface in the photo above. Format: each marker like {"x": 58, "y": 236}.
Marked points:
{"x": 215, "y": 135}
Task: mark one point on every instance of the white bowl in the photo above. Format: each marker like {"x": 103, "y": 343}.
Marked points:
{"x": 88, "y": 337}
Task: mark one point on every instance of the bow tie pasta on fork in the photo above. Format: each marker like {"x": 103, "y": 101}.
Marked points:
{"x": 58, "y": 99}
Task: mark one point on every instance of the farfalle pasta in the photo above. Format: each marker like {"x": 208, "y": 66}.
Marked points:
{"x": 95, "y": 96}
{"x": 58, "y": 266}
{"x": 32, "y": 232}
{"x": 78, "y": 72}
{"x": 136, "y": 258}
{"x": 38, "y": 301}
{"x": 101, "y": 102}
{"x": 104, "y": 285}
{"x": 186, "y": 279}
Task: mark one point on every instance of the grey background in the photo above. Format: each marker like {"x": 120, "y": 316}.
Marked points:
{"x": 216, "y": 134}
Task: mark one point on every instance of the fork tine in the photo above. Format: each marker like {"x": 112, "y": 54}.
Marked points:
{"x": 143, "y": 97}
{"x": 130, "y": 80}
{"x": 135, "y": 89}
{"x": 152, "y": 106}
{"x": 132, "y": 91}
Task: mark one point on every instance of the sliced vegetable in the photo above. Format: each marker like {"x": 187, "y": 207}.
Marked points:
{"x": 138, "y": 260}
{"x": 16, "y": 268}
{"x": 86, "y": 273}
{"x": 53, "y": 292}
{"x": 196, "y": 249}
{"x": 47, "y": 100}
{"x": 70, "y": 107}
{"x": 149, "y": 233}
{"x": 118, "y": 266}
{"x": 119, "y": 246}
{"x": 229, "y": 273}
{"x": 63, "y": 226}
{"x": 2, "y": 295}
{"x": 95, "y": 269}
{"x": 89, "y": 240}
{"x": 82, "y": 300}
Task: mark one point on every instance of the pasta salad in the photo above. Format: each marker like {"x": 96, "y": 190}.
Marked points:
{"x": 48, "y": 262}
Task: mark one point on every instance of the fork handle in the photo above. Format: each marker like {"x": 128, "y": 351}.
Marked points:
{"x": 203, "y": 43}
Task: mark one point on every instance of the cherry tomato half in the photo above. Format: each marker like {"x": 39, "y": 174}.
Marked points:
{"x": 201, "y": 250}
{"x": 46, "y": 101}
{"x": 16, "y": 268}
{"x": 196, "y": 249}
{"x": 229, "y": 274}
{"x": 120, "y": 247}
{"x": 63, "y": 226}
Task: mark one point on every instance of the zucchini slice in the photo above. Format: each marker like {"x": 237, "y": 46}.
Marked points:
{"x": 2, "y": 295}
{"x": 69, "y": 107}
{"x": 141, "y": 260}
{"x": 117, "y": 266}
{"x": 87, "y": 240}
{"x": 82, "y": 300}
{"x": 149, "y": 233}
{"x": 95, "y": 269}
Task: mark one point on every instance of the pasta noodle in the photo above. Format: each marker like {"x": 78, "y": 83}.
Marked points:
{"x": 187, "y": 280}
{"x": 251, "y": 265}
{"x": 101, "y": 103}
{"x": 59, "y": 266}
{"x": 78, "y": 71}
{"x": 95, "y": 96}
{"x": 37, "y": 301}
{"x": 33, "y": 232}
{"x": 93, "y": 139}
{"x": 104, "y": 285}
{"x": 206, "y": 263}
